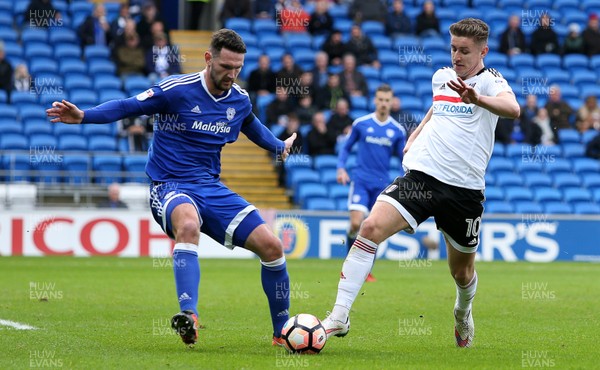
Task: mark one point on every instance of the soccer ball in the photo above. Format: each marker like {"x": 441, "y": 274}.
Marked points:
{"x": 304, "y": 333}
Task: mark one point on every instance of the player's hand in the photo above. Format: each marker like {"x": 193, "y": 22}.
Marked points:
{"x": 288, "y": 144}
{"x": 65, "y": 112}
{"x": 467, "y": 93}
{"x": 342, "y": 176}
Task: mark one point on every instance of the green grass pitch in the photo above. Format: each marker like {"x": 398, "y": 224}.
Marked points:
{"x": 113, "y": 313}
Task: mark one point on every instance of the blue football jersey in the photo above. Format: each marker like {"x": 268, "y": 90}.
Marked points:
{"x": 377, "y": 142}
{"x": 191, "y": 126}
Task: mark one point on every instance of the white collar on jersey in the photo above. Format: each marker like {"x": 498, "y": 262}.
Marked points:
{"x": 203, "y": 80}
{"x": 374, "y": 117}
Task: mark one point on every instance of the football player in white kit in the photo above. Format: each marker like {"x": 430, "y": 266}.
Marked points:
{"x": 445, "y": 161}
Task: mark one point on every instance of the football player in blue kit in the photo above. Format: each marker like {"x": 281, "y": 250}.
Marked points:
{"x": 195, "y": 116}
{"x": 379, "y": 136}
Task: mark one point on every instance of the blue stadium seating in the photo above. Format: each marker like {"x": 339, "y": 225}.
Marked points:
{"x": 564, "y": 180}
{"x": 310, "y": 190}
{"x": 302, "y": 175}
{"x": 587, "y": 209}
{"x": 13, "y": 142}
{"x": 498, "y": 207}
{"x": 528, "y": 207}
{"x": 574, "y": 195}
{"x": 554, "y": 208}
{"x": 320, "y": 204}
{"x": 18, "y": 165}
{"x": 10, "y": 127}
{"x": 72, "y": 142}
{"x": 239, "y": 24}
{"x": 586, "y": 165}
{"x": 591, "y": 181}
{"x": 535, "y": 179}
{"x": 518, "y": 194}
{"x": 36, "y": 126}
{"x": 19, "y": 97}
{"x": 542, "y": 195}
{"x": 494, "y": 193}
{"x": 8, "y": 112}
{"x": 135, "y": 166}
{"x": 107, "y": 168}
{"x": 559, "y": 165}
{"x": 102, "y": 143}
{"x": 500, "y": 164}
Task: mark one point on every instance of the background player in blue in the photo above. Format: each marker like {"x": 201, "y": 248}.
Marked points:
{"x": 196, "y": 115}
{"x": 378, "y": 136}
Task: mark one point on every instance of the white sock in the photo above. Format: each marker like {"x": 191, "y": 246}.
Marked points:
{"x": 356, "y": 267}
{"x": 464, "y": 298}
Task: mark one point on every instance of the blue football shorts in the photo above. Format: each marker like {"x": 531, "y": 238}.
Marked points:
{"x": 362, "y": 196}
{"x": 224, "y": 215}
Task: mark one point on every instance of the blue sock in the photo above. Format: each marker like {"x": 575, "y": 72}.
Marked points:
{"x": 187, "y": 277}
{"x": 276, "y": 284}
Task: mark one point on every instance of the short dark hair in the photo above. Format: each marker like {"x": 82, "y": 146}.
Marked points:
{"x": 228, "y": 39}
{"x": 472, "y": 28}
{"x": 384, "y": 88}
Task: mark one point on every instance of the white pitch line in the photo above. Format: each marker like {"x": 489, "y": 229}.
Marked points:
{"x": 17, "y": 325}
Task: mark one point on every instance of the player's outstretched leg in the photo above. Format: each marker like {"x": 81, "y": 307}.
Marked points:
{"x": 462, "y": 268}
{"x": 383, "y": 222}
{"x": 356, "y": 218}
{"x": 274, "y": 276}
{"x": 186, "y": 268}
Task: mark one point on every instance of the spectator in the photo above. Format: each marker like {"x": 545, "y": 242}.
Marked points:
{"x": 280, "y": 106}
{"x": 588, "y": 116}
{"x": 532, "y": 132}
{"x": 542, "y": 120}
{"x": 117, "y": 26}
{"x": 289, "y": 74}
{"x": 95, "y": 30}
{"x": 397, "y": 22}
{"x": 156, "y": 28}
{"x": 128, "y": 30}
{"x": 319, "y": 72}
{"x": 320, "y": 140}
{"x": 6, "y": 71}
{"x": 41, "y": 13}
{"x": 162, "y": 60}
{"x": 352, "y": 81}
{"x": 340, "y": 123}
{"x": 574, "y": 43}
{"x": 401, "y": 116}
{"x": 512, "y": 40}
{"x": 113, "y": 200}
{"x": 293, "y": 18}
{"x": 144, "y": 25}
{"x": 504, "y": 130}
{"x": 368, "y": 10}
{"x": 262, "y": 80}
{"x": 362, "y": 48}
{"x": 306, "y": 86}
{"x": 23, "y": 81}
{"x": 335, "y": 48}
{"x": 592, "y": 149}
{"x": 591, "y": 36}
{"x": 559, "y": 110}
{"x": 428, "y": 23}
{"x": 137, "y": 131}
{"x": 263, "y": 9}
{"x": 236, "y": 9}
{"x": 321, "y": 22}
{"x": 305, "y": 109}
{"x": 544, "y": 39}
{"x": 328, "y": 96}
{"x": 291, "y": 126}
{"x": 130, "y": 57}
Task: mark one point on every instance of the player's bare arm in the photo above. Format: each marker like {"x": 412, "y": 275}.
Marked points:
{"x": 418, "y": 130}
{"x": 65, "y": 112}
{"x": 342, "y": 176}
{"x": 503, "y": 105}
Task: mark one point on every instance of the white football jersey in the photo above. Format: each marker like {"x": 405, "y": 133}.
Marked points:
{"x": 456, "y": 144}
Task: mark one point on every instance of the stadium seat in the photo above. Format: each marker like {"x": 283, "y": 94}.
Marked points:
{"x": 496, "y": 60}
{"x": 309, "y": 190}
{"x": 587, "y": 136}
{"x": 62, "y": 129}
{"x": 102, "y": 143}
{"x": 522, "y": 60}
{"x": 568, "y": 135}
{"x": 10, "y": 127}
{"x": 80, "y": 96}
{"x": 338, "y": 191}
{"x": 320, "y": 204}
{"x": 547, "y": 60}
{"x": 490, "y": 180}
{"x": 565, "y": 180}
{"x": 34, "y": 35}
{"x": 574, "y": 61}
{"x": 596, "y": 194}
{"x": 557, "y": 166}
{"x": 107, "y": 169}
{"x": 239, "y": 24}
{"x": 382, "y": 42}
{"x": 106, "y": 83}
{"x": 99, "y": 66}
{"x": 135, "y": 166}
{"x": 528, "y": 207}
{"x": 500, "y": 164}
{"x": 72, "y": 66}
{"x": 38, "y": 50}
{"x": 42, "y": 65}
{"x": 586, "y": 165}
{"x": 583, "y": 76}
{"x": 504, "y": 179}
{"x": 264, "y": 26}
{"x": 533, "y": 180}
{"x": 42, "y": 141}
{"x": 543, "y": 195}
{"x": 61, "y": 36}
{"x": 111, "y": 94}
{"x": 591, "y": 181}
{"x": 8, "y": 34}
{"x": 328, "y": 176}
{"x": 35, "y": 126}
{"x": 77, "y": 169}
{"x": 587, "y": 209}
{"x": 519, "y": 150}
{"x": 136, "y": 84}
{"x": 301, "y": 176}
{"x": 18, "y": 166}
{"x": 498, "y": 207}
{"x": 18, "y": 97}
{"x": 556, "y": 75}
{"x": 524, "y": 165}
{"x": 518, "y": 194}
{"x": 494, "y": 193}
{"x": 72, "y": 143}
{"x": 8, "y": 112}
{"x": 393, "y": 72}
{"x": 13, "y": 142}
{"x": 325, "y": 161}
{"x": 554, "y": 208}
{"x": 342, "y": 204}
{"x": 574, "y": 195}
{"x": 298, "y": 161}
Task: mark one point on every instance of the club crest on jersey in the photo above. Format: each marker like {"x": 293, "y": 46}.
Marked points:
{"x": 230, "y": 113}
{"x": 389, "y": 132}
{"x": 145, "y": 95}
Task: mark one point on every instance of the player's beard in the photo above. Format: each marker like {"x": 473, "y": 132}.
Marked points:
{"x": 219, "y": 84}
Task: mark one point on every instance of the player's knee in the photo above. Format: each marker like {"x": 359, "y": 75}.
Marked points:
{"x": 462, "y": 274}
{"x": 371, "y": 230}
{"x": 188, "y": 231}
{"x": 271, "y": 249}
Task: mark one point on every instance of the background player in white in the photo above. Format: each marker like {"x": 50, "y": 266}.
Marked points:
{"x": 379, "y": 136}
{"x": 195, "y": 116}
{"x": 445, "y": 159}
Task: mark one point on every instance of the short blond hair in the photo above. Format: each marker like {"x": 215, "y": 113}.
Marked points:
{"x": 473, "y": 28}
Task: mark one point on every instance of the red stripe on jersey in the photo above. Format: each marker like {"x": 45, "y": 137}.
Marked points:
{"x": 451, "y": 99}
